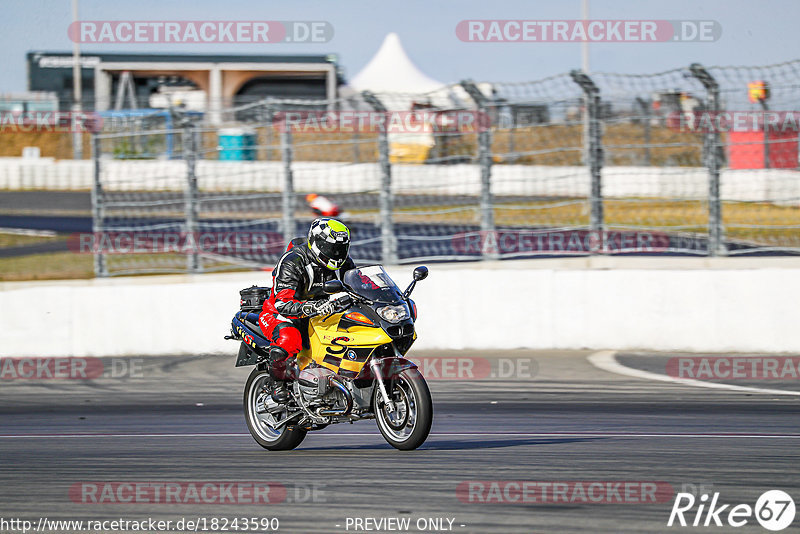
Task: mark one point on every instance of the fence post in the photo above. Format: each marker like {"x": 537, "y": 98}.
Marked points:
{"x": 594, "y": 157}
{"x": 711, "y": 146}
{"x": 269, "y": 121}
{"x": 98, "y": 210}
{"x": 356, "y": 137}
{"x": 190, "y": 196}
{"x": 288, "y": 226}
{"x": 645, "y": 106}
{"x": 386, "y": 198}
{"x": 488, "y": 229}
{"x": 765, "y": 129}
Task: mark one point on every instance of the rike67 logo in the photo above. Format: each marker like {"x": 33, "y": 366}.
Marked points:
{"x": 774, "y": 510}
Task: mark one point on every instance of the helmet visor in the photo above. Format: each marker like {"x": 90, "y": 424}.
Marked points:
{"x": 333, "y": 255}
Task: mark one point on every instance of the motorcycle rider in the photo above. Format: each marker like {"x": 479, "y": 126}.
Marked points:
{"x": 297, "y": 294}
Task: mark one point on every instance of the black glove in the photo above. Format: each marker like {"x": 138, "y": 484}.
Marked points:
{"x": 333, "y": 304}
{"x": 340, "y": 301}
{"x": 312, "y": 308}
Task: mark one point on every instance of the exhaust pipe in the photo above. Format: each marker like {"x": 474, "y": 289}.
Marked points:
{"x": 348, "y": 400}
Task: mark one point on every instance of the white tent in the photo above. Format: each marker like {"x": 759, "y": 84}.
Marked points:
{"x": 391, "y": 71}
{"x": 400, "y": 85}
{"x": 394, "y": 78}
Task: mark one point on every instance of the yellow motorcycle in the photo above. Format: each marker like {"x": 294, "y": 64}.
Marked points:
{"x": 353, "y": 366}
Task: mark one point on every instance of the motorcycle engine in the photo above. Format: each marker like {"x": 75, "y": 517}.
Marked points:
{"x": 315, "y": 383}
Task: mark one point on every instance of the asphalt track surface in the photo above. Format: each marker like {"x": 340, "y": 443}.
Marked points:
{"x": 557, "y": 418}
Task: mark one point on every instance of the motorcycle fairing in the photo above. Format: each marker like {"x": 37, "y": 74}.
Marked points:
{"x": 343, "y": 351}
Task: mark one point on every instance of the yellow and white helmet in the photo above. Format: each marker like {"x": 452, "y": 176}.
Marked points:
{"x": 329, "y": 241}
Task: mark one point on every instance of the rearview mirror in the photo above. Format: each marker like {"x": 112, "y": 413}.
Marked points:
{"x": 420, "y": 273}
{"x": 333, "y": 286}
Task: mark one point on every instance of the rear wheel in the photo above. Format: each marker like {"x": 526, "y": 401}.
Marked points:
{"x": 261, "y": 421}
{"x": 408, "y": 424}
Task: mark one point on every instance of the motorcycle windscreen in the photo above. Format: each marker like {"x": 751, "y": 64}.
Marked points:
{"x": 374, "y": 283}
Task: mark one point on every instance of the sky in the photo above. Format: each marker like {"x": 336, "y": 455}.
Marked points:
{"x": 753, "y": 33}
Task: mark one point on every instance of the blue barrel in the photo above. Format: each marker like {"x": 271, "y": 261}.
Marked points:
{"x": 237, "y": 144}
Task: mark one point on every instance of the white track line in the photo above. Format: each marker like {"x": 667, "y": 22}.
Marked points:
{"x": 25, "y": 231}
{"x": 607, "y": 361}
{"x": 726, "y": 435}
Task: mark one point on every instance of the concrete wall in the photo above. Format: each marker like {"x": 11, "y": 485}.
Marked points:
{"x": 690, "y": 304}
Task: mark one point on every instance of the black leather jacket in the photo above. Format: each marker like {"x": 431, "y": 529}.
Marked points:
{"x": 298, "y": 278}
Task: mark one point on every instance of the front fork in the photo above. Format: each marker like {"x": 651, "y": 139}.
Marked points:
{"x": 396, "y": 364}
{"x": 375, "y": 366}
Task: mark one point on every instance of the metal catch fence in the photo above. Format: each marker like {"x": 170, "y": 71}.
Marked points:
{"x": 693, "y": 161}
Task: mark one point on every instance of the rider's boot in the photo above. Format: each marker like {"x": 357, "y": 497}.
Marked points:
{"x": 278, "y": 372}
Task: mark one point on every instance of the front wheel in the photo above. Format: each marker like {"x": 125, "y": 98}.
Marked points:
{"x": 261, "y": 421}
{"x": 407, "y": 426}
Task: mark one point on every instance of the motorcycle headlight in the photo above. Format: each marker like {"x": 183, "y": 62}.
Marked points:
{"x": 393, "y": 314}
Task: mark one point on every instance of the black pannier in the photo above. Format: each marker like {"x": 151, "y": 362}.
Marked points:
{"x": 251, "y": 299}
